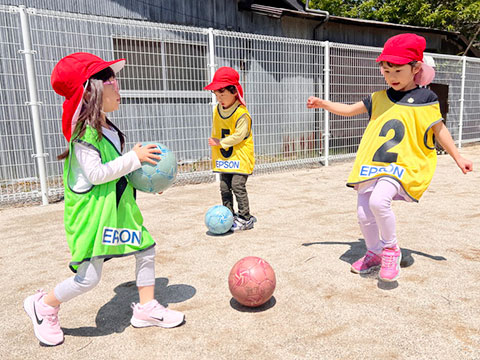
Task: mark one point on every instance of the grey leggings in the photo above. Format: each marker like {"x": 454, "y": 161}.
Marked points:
{"x": 90, "y": 272}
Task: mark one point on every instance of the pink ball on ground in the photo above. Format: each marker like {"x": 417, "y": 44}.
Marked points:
{"x": 252, "y": 281}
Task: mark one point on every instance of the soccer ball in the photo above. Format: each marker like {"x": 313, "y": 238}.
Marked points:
{"x": 155, "y": 178}
{"x": 219, "y": 219}
{"x": 252, "y": 281}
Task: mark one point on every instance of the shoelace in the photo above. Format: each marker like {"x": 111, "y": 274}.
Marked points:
{"x": 158, "y": 306}
{"x": 52, "y": 319}
{"x": 154, "y": 307}
{"x": 388, "y": 261}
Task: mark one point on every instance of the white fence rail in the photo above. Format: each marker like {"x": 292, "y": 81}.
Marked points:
{"x": 162, "y": 96}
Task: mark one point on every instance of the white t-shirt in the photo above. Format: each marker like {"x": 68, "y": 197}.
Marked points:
{"x": 91, "y": 171}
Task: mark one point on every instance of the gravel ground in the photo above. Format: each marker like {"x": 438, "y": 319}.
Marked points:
{"x": 307, "y": 231}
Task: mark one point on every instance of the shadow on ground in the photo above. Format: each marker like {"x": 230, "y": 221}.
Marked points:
{"x": 228, "y": 233}
{"x": 358, "y": 249}
{"x": 239, "y": 307}
{"x": 114, "y": 316}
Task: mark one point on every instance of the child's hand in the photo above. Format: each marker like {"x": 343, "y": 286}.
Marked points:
{"x": 314, "y": 102}
{"x": 464, "y": 164}
{"x": 213, "y": 142}
{"x": 147, "y": 153}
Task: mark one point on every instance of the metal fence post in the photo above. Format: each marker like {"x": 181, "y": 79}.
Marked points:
{"x": 40, "y": 155}
{"x": 462, "y": 101}
{"x": 211, "y": 60}
{"x": 211, "y": 65}
{"x": 326, "y": 96}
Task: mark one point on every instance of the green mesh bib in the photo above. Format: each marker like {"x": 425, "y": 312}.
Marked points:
{"x": 104, "y": 221}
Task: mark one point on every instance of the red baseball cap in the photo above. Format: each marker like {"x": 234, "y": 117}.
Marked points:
{"x": 226, "y": 76}
{"x": 404, "y": 48}
{"x": 68, "y": 78}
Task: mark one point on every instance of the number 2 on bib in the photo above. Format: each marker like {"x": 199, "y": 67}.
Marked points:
{"x": 382, "y": 154}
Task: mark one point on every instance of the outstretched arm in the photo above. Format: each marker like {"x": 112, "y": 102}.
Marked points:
{"x": 445, "y": 139}
{"x": 337, "y": 108}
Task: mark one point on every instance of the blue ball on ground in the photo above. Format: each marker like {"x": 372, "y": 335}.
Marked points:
{"x": 219, "y": 219}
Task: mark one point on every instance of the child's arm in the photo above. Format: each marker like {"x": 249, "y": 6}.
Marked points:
{"x": 241, "y": 131}
{"x": 445, "y": 139}
{"x": 98, "y": 173}
{"x": 337, "y": 108}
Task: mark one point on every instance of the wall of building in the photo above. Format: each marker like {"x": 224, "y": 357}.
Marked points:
{"x": 225, "y": 15}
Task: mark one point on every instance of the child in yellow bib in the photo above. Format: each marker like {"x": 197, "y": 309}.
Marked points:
{"x": 232, "y": 144}
{"x": 396, "y": 157}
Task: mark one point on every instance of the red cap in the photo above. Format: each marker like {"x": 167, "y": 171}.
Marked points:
{"x": 68, "y": 79}
{"x": 404, "y": 48}
{"x": 226, "y": 76}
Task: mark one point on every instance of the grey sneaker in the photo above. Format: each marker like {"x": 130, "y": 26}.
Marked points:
{"x": 241, "y": 224}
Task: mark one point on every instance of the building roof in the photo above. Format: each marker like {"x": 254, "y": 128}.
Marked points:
{"x": 294, "y": 8}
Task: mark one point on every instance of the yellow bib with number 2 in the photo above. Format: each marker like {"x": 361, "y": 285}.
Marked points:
{"x": 398, "y": 142}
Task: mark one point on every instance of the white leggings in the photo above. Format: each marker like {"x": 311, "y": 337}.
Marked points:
{"x": 90, "y": 272}
{"x": 376, "y": 218}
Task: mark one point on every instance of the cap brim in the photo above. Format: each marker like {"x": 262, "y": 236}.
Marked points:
{"x": 116, "y": 66}
{"x": 217, "y": 85}
{"x": 221, "y": 85}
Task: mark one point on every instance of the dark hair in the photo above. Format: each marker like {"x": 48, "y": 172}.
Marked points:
{"x": 231, "y": 88}
{"x": 411, "y": 63}
{"x": 104, "y": 75}
{"x": 91, "y": 110}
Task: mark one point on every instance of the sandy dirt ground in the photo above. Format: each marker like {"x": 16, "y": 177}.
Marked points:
{"x": 307, "y": 231}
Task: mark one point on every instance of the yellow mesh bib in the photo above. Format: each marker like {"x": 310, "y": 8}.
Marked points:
{"x": 237, "y": 159}
{"x": 398, "y": 143}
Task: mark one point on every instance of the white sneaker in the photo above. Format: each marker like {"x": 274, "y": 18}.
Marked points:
{"x": 154, "y": 314}
{"x": 44, "y": 319}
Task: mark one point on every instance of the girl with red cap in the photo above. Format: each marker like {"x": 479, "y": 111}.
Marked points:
{"x": 102, "y": 219}
{"x": 232, "y": 144}
{"x": 396, "y": 157}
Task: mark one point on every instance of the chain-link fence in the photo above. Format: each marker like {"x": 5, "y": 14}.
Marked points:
{"x": 163, "y": 98}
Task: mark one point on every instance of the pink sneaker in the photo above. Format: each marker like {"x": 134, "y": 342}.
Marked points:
{"x": 366, "y": 263}
{"x": 44, "y": 319}
{"x": 390, "y": 270}
{"x": 154, "y": 314}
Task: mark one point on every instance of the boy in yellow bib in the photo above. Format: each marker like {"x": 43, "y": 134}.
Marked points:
{"x": 232, "y": 144}
{"x": 396, "y": 158}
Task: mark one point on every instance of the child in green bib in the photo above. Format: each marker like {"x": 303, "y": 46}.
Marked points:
{"x": 102, "y": 219}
